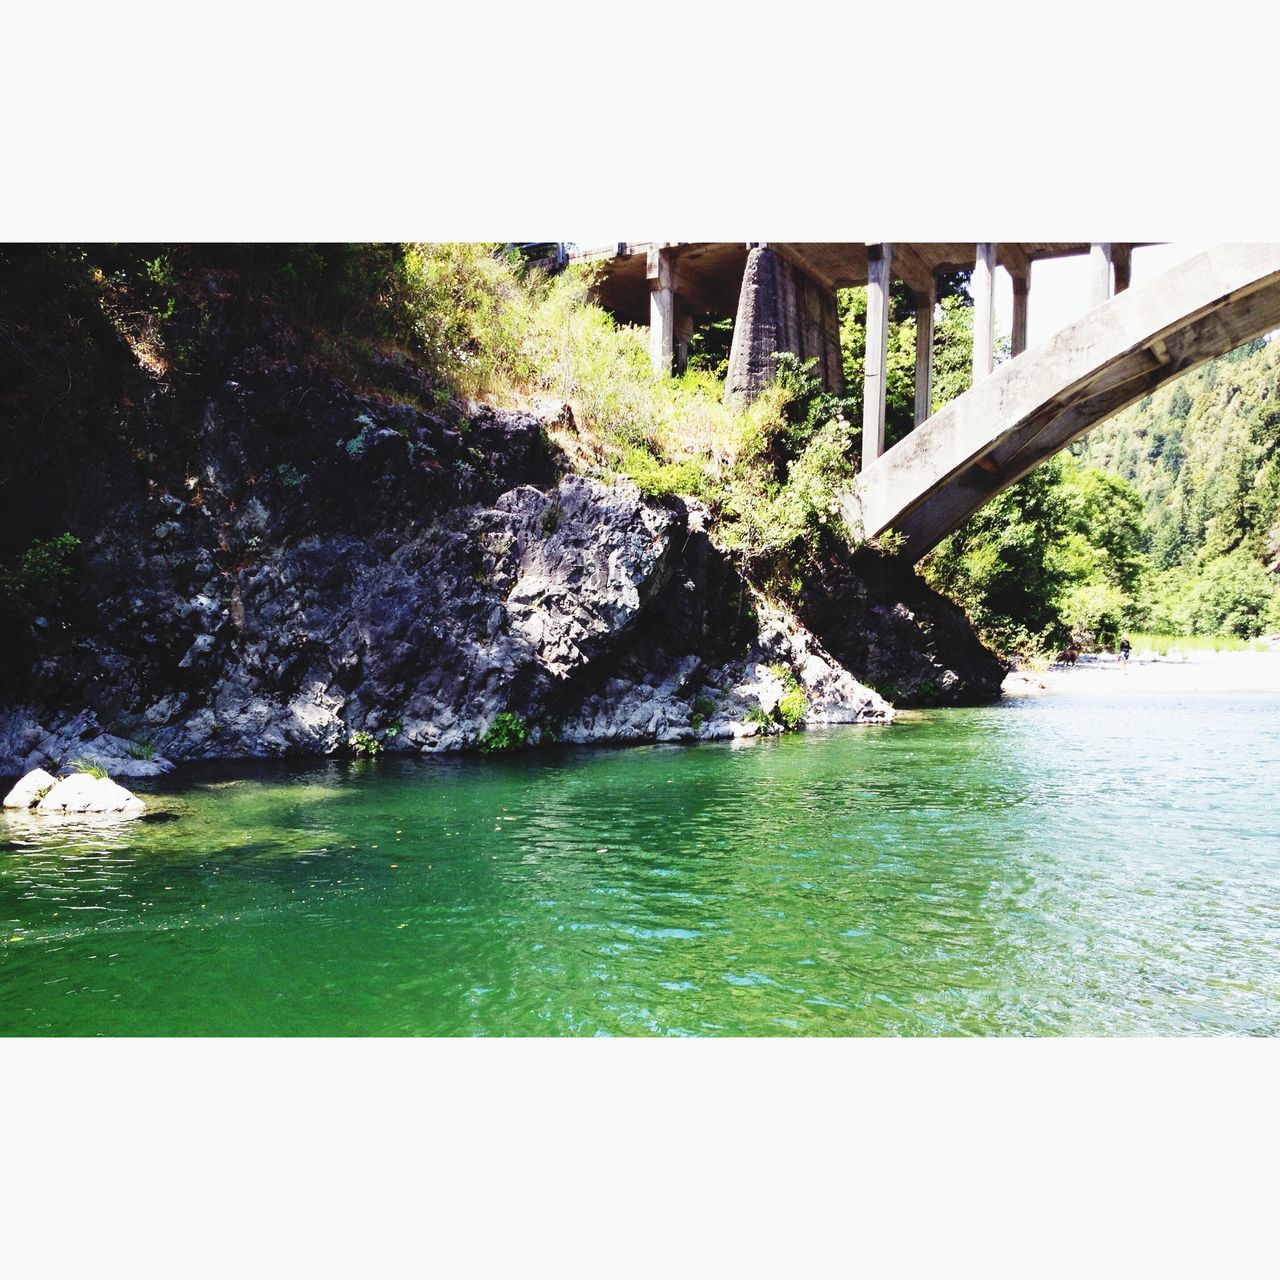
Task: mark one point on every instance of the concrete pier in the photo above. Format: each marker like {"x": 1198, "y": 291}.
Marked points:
{"x": 782, "y": 297}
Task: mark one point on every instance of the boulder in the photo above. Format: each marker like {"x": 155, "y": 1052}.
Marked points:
{"x": 83, "y": 793}
{"x": 29, "y": 789}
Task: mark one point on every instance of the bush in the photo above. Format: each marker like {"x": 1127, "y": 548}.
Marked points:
{"x": 507, "y": 732}
{"x": 1234, "y": 596}
{"x": 39, "y": 574}
{"x": 364, "y": 744}
{"x": 791, "y": 707}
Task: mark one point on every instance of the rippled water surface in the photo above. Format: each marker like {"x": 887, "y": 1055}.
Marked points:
{"x": 1064, "y": 865}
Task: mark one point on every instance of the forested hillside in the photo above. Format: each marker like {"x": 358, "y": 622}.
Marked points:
{"x": 1202, "y": 455}
{"x": 1165, "y": 519}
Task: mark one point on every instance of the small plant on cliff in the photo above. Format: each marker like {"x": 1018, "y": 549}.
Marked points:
{"x": 550, "y": 518}
{"x": 702, "y": 708}
{"x": 793, "y": 704}
{"x": 142, "y": 750}
{"x": 358, "y": 443}
{"x": 507, "y": 732}
{"x": 93, "y": 770}
{"x": 364, "y": 744}
{"x": 44, "y": 564}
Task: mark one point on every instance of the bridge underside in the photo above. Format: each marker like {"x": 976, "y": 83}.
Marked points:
{"x": 782, "y": 297}
{"x": 1030, "y": 408}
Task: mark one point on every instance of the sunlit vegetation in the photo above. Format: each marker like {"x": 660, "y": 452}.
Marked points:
{"x": 1166, "y": 519}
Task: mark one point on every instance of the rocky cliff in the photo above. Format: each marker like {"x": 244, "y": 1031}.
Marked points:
{"x": 275, "y": 554}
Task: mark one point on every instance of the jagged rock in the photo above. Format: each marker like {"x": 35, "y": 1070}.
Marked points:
{"x": 29, "y": 789}
{"x": 296, "y": 559}
{"x": 82, "y": 793}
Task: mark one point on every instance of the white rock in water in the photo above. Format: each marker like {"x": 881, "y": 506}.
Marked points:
{"x": 82, "y": 793}
{"x": 29, "y": 789}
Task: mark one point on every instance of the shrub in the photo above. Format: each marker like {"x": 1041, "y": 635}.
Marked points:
{"x": 93, "y": 770}
{"x": 39, "y": 573}
{"x": 364, "y": 744}
{"x": 791, "y": 707}
{"x": 142, "y": 750}
{"x": 702, "y": 708}
{"x": 507, "y": 732}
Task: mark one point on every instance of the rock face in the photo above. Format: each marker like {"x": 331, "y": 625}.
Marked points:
{"x": 274, "y": 560}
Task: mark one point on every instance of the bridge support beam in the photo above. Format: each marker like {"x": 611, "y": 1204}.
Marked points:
{"x": 1021, "y": 287}
{"x": 1121, "y": 262}
{"x": 781, "y": 308}
{"x": 926, "y": 299}
{"x": 1100, "y": 270}
{"x": 662, "y": 310}
{"x": 684, "y": 335}
{"x": 983, "y": 287}
{"x": 879, "y": 261}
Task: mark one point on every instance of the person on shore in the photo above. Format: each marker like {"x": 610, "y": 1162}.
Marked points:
{"x": 1124, "y": 651}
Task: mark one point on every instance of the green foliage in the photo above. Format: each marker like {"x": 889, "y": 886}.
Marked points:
{"x": 464, "y": 308}
{"x": 656, "y": 478}
{"x": 1166, "y": 517}
{"x": 702, "y": 708}
{"x": 710, "y": 346}
{"x": 362, "y": 743}
{"x": 1232, "y": 596}
{"x": 360, "y": 441}
{"x": 1203, "y": 454}
{"x": 290, "y": 475}
{"x": 782, "y": 499}
{"x": 788, "y": 715}
{"x": 142, "y": 750}
{"x": 550, "y": 519}
{"x": 37, "y": 580}
{"x": 507, "y": 732}
{"x": 1057, "y": 554}
{"x": 159, "y": 270}
{"x": 45, "y": 561}
{"x": 93, "y": 770}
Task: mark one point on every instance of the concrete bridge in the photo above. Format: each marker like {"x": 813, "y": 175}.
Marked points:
{"x": 782, "y": 297}
{"x": 1036, "y": 404}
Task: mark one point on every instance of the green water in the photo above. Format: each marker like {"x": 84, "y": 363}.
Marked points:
{"x": 1066, "y": 865}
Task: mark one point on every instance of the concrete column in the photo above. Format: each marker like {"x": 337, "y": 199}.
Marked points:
{"x": 983, "y": 287}
{"x": 756, "y": 327}
{"x": 925, "y": 302}
{"x": 1100, "y": 271}
{"x": 1121, "y": 261}
{"x": 662, "y": 310}
{"x": 879, "y": 260}
{"x": 684, "y": 335}
{"x": 1021, "y": 286}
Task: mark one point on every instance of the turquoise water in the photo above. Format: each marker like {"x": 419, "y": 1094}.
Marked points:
{"x": 1061, "y": 865}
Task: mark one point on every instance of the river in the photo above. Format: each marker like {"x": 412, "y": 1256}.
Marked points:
{"x": 1074, "y": 863}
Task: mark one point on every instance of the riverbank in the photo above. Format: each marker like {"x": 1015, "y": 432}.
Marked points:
{"x": 1189, "y": 671}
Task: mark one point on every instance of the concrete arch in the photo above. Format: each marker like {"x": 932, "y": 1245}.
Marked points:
{"x": 1036, "y": 404}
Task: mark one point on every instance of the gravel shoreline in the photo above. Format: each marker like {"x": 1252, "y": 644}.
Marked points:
{"x": 1192, "y": 671}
